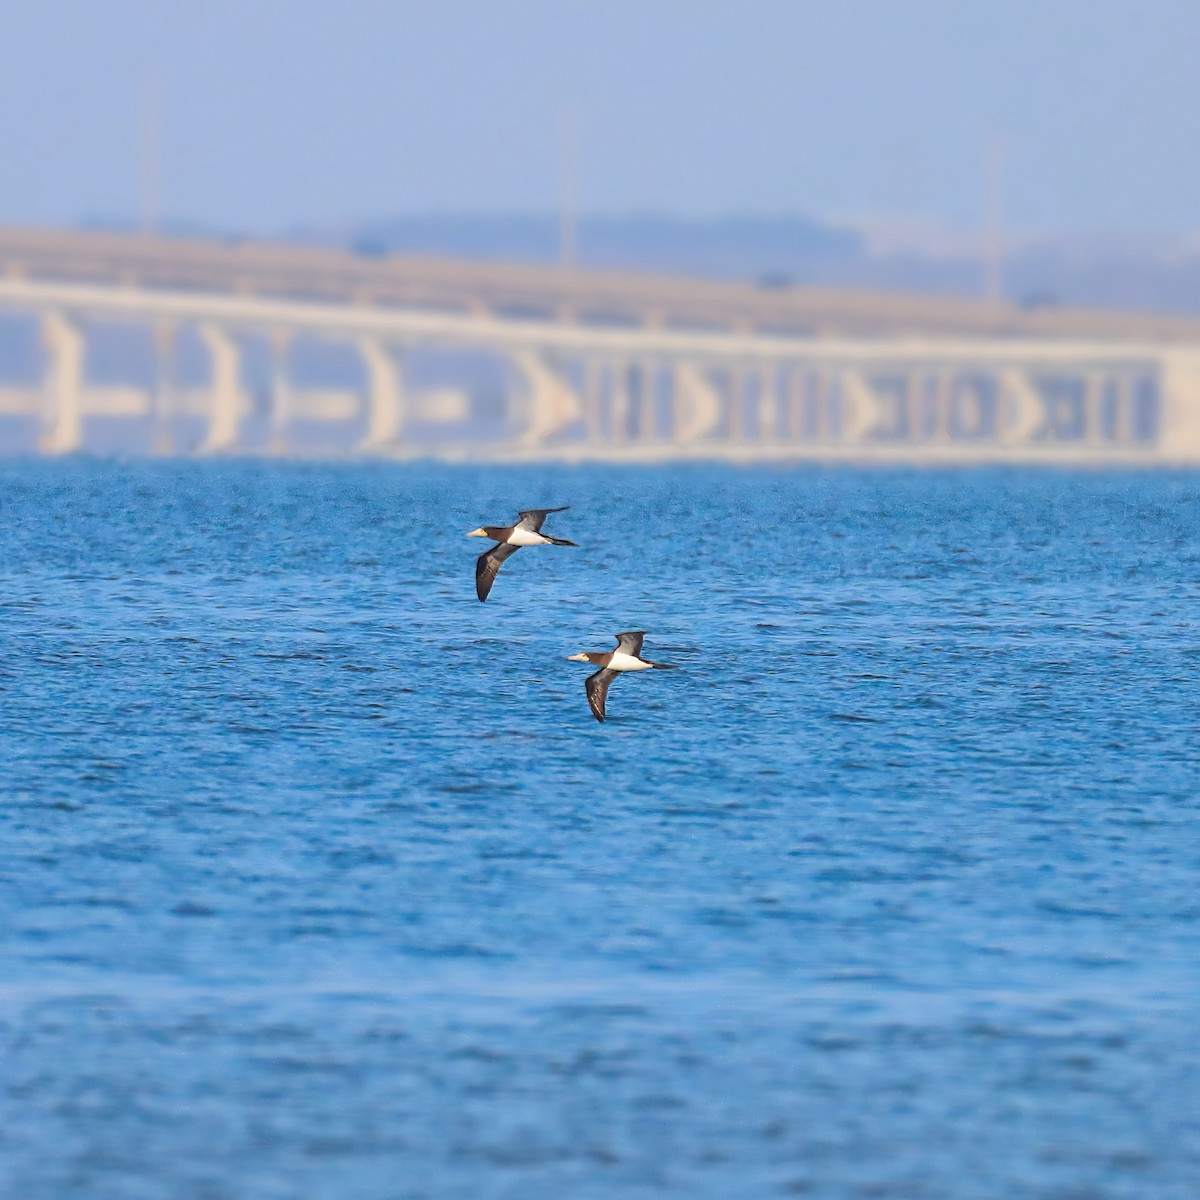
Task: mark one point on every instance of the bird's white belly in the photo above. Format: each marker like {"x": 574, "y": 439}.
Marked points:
{"x": 626, "y": 662}
{"x": 523, "y": 537}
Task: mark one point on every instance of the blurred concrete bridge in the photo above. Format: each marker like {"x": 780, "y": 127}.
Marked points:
{"x": 599, "y": 364}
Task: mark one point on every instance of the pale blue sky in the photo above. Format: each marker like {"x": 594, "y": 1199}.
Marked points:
{"x": 276, "y": 112}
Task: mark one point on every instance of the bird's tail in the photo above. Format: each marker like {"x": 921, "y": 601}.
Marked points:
{"x": 562, "y": 542}
{"x": 664, "y": 666}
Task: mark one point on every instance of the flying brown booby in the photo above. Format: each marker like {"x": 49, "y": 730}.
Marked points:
{"x": 626, "y": 657}
{"x": 509, "y": 539}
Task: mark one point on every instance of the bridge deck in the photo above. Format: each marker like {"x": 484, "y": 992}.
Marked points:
{"x": 297, "y": 271}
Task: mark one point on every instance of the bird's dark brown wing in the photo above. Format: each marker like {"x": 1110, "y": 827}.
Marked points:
{"x": 631, "y": 643}
{"x": 532, "y": 518}
{"x": 487, "y": 565}
{"x": 597, "y": 687}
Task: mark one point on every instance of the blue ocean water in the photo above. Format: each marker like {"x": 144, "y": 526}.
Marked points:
{"x": 317, "y": 878}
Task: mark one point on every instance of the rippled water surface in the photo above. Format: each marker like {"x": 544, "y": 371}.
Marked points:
{"x": 318, "y": 879}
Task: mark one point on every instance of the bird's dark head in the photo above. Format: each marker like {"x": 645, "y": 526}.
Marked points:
{"x": 586, "y": 656}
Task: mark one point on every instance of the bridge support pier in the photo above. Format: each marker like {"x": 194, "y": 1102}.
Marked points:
{"x": 795, "y": 391}
{"x": 1021, "y": 415}
{"x": 970, "y": 412}
{"x": 1179, "y": 437}
{"x": 64, "y": 343}
{"x": 619, "y": 403}
{"x": 941, "y": 395}
{"x": 1094, "y": 431}
{"x": 697, "y": 407}
{"x": 385, "y": 396}
{"x": 860, "y": 407}
{"x": 647, "y": 402}
{"x": 1124, "y": 430}
{"x": 226, "y": 394}
{"x": 550, "y": 403}
{"x": 768, "y": 407}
